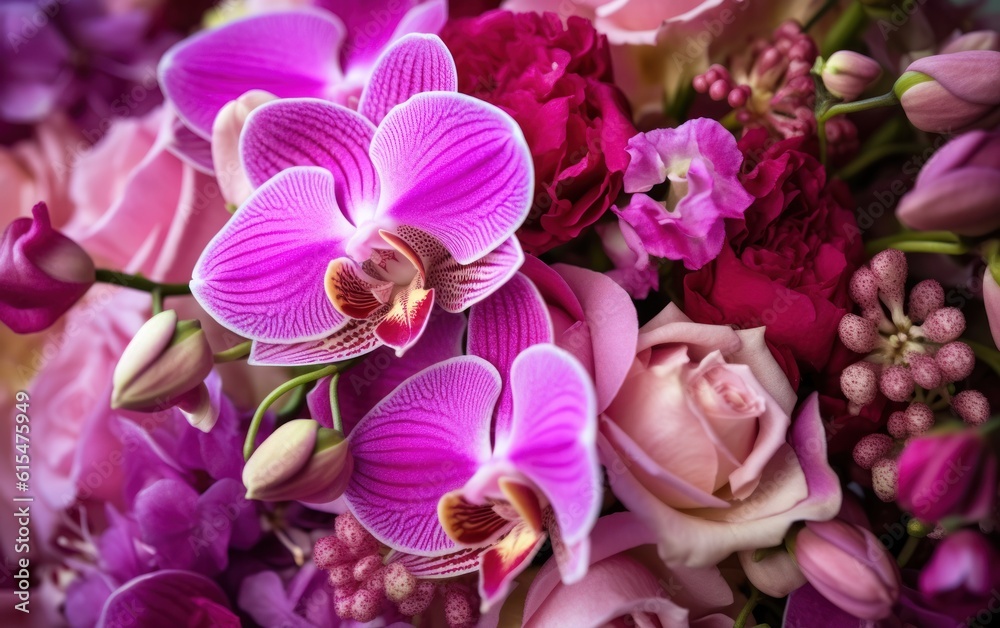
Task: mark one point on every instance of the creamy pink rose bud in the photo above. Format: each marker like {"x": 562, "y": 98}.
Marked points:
{"x": 849, "y": 567}
{"x": 300, "y": 461}
{"x": 699, "y": 443}
{"x": 950, "y": 93}
{"x": 846, "y": 74}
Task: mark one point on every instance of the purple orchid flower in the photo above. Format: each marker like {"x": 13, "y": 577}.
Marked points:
{"x": 327, "y": 52}
{"x": 473, "y": 462}
{"x": 357, "y": 230}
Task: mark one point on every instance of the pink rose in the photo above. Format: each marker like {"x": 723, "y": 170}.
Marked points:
{"x": 37, "y": 169}
{"x": 140, "y": 206}
{"x": 623, "y": 587}
{"x": 697, "y": 443}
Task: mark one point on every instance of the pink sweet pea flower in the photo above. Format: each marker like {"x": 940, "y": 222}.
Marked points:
{"x": 698, "y": 443}
{"x": 701, "y": 161}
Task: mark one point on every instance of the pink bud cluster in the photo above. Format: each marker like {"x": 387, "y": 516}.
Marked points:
{"x": 770, "y": 85}
{"x": 905, "y": 350}
{"x": 364, "y": 585}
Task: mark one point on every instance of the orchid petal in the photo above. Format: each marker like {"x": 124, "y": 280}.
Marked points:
{"x": 502, "y": 326}
{"x": 465, "y": 560}
{"x": 470, "y": 524}
{"x": 359, "y": 389}
{"x": 262, "y": 275}
{"x": 351, "y": 291}
{"x": 373, "y": 25}
{"x": 572, "y": 560}
{"x": 414, "y": 64}
{"x": 454, "y": 167}
{"x": 405, "y": 322}
{"x": 309, "y": 132}
{"x": 553, "y": 434}
{"x": 290, "y": 54}
{"x": 190, "y": 147}
{"x": 425, "y": 439}
{"x": 356, "y": 337}
{"x": 504, "y": 560}
{"x": 459, "y": 286}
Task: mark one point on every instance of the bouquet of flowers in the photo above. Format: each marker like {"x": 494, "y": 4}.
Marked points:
{"x": 549, "y": 313}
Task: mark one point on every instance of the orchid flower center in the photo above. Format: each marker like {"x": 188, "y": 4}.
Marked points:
{"x": 358, "y": 290}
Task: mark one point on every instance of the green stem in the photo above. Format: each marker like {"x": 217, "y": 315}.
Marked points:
{"x": 875, "y": 155}
{"x": 274, "y": 395}
{"x": 908, "y": 549}
{"x": 294, "y": 405}
{"x": 136, "y": 282}
{"x": 987, "y": 354}
{"x": 845, "y": 30}
{"x": 823, "y": 10}
{"x": 885, "y": 100}
{"x": 232, "y": 354}
{"x": 157, "y": 301}
{"x": 944, "y": 248}
{"x": 338, "y": 421}
{"x": 741, "y": 619}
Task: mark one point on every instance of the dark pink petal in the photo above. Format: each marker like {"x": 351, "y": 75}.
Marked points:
{"x": 502, "y": 326}
{"x": 309, "y": 132}
{"x": 360, "y": 388}
{"x": 459, "y": 286}
{"x": 262, "y": 275}
{"x": 168, "y": 599}
{"x": 552, "y": 438}
{"x": 414, "y": 64}
{"x": 373, "y": 25}
{"x": 424, "y": 440}
{"x": 355, "y": 337}
{"x": 405, "y": 321}
{"x": 289, "y": 54}
{"x": 504, "y": 560}
{"x": 454, "y": 167}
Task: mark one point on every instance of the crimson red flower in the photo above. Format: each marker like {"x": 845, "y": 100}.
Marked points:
{"x": 788, "y": 263}
{"x": 556, "y": 82}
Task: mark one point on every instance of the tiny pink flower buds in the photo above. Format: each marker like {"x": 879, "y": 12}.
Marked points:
{"x": 971, "y": 406}
{"x": 897, "y": 425}
{"x": 872, "y": 448}
{"x": 300, "y": 461}
{"x": 925, "y": 297}
{"x": 847, "y": 74}
{"x": 890, "y": 269}
{"x": 858, "y": 334}
{"x": 925, "y": 371}
{"x": 949, "y": 474}
{"x": 849, "y": 567}
{"x": 42, "y": 273}
{"x": 896, "y": 383}
{"x": 950, "y": 93}
{"x": 859, "y": 383}
{"x": 944, "y": 325}
{"x": 165, "y": 365}
{"x": 956, "y": 361}
{"x": 885, "y": 479}
{"x": 919, "y": 418}
{"x": 864, "y": 288}
{"x": 957, "y": 189}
